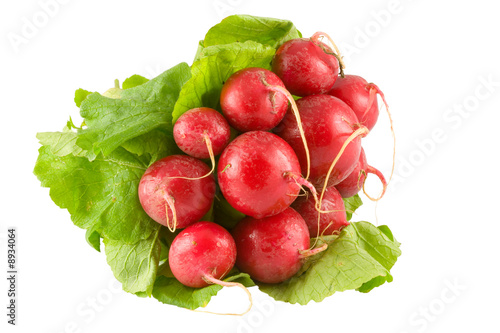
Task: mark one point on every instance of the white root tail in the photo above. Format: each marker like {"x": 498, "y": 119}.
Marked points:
{"x": 360, "y": 131}
{"x": 311, "y": 252}
{"x": 210, "y": 279}
{"x": 296, "y": 113}
{"x": 319, "y": 34}
{"x": 376, "y": 172}
{"x": 208, "y": 142}
{"x": 170, "y": 204}
{"x": 375, "y": 88}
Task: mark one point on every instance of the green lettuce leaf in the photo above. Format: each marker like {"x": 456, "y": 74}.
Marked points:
{"x": 214, "y": 67}
{"x": 81, "y": 95}
{"x": 156, "y": 144}
{"x": 93, "y": 238}
{"x": 70, "y": 125}
{"x": 115, "y": 92}
{"x": 100, "y": 194}
{"x": 111, "y": 122}
{"x": 379, "y": 280}
{"x": 61, "y": 143}
{"x": 134, "y": 81}
{"x": 135, "y": 265}
{"x": 241, "y": 28}
{"x": 351, "y": 204}
{"x": 373, "y": 283}
{"x": 199, "y": 50}
{"x": 170, "y": 291}
{"x": 131, "y": 82}
{"x": 359, "y": 258}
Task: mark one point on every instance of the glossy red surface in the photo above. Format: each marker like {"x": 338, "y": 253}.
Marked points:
{"x": 268, "y": 248}
{"x": 204, "y": 248}
{"x": 327, "y": 123}
{"x": 330, "y": 222}
{"x": 352, "y": 89}
{"x": 190, "y": 128}
{"x": 252, "y": 174}
{"x": 305, "y": 68}
{"x": 192, "y": 198}
{"x": 248, "y": 104}
{"x": 354, "y": 182}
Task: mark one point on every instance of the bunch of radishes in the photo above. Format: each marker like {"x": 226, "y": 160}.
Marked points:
{"x": 282, "y": 146}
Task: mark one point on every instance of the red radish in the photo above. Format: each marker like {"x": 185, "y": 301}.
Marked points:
{"x": 201, "y": 127}
{"x": 163, "y": 185}
{"x": 331, "y": 221}
{"x": 360, "y": 95}
{"x": 256, "y": 99}
{"x": 270, "y": 249}
{"x": 200, "y": 253}
{"x": 203, "y": 254}
{"x": 307, "y": 66}
{"x": 328, "y": 123}
{"x": 247, "y": 102}
{"x": 355, "y": 181}
{"x": 259, "y": 174}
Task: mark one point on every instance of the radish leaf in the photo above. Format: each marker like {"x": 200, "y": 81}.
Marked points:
{"x": 170, "y": 291}
{"x": 100, "y": 193}
{"x": 351, "y": 204}
{"x": 111, "y": 122}
{"x": 133, "y": 81}
{"x": 240, "y": 28}
{"x": 360, "y": 258}
{"x": 135, "y": 265}
{"x": 93, "y": 238}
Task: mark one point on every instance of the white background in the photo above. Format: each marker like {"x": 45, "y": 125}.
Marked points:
{"x": 430, "y": 58}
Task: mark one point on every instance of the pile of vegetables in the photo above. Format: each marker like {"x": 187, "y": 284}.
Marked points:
{"x": 241, "y": 169}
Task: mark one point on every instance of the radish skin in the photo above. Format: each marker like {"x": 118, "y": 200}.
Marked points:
{"x": 356, "y": 180}
{"x": 327, "y": 123}
{"x": 270, "y": 249}
{"x": 306, "y": 66}
{"x": 163, "y": 185}
{"x": 360, "y": 96}
{"x": 257, "y": 174}
{"x": 195, "y": 126}
{"x": 202, "y": 249}
{"x": 247, "y": 102}
{"x": 333, "y": 218}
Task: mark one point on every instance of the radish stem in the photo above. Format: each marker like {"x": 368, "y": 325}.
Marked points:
{"x": 311, "y": 252}
{"x": 374, "y": 87}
